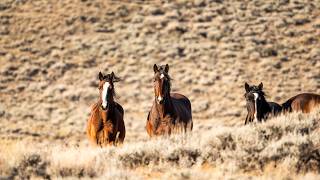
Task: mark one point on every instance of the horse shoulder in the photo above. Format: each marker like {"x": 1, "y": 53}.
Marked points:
{"x": 94, "y": 123}
{"x": 149, "y": 125}
{"x": 151, "y": 119}
{"x": 153, "y": 113}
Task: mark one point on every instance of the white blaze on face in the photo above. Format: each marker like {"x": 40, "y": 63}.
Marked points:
{"x": 159, "y": 98}
{"x": 256, "y": 95}
{"x": 105, "y": 94}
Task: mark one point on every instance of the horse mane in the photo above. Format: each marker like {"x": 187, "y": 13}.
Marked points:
{"x": 262, "y": 93}
{"x": 115, "y": 79}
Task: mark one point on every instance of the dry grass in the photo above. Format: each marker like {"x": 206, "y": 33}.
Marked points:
{"x": 51, "y": 52}
{"x": 284, "y": 147}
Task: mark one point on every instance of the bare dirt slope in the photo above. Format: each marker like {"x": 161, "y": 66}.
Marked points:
{"x": 51, "y": 52}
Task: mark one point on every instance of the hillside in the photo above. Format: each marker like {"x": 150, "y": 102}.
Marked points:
{"x": 51, "y": 52}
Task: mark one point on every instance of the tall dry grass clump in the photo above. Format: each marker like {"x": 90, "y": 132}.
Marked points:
{"x": 285, "y": 146}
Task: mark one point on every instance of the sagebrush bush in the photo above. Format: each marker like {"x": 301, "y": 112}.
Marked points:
{"x": 288, "y": 143}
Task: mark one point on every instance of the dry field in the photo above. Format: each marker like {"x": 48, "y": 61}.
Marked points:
{"x": 52, "y": 50}
{"x": 286, "y": 147}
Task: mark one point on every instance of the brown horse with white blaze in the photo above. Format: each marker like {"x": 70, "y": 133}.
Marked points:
{"x": 305, "y": 102}
{"x": 105, "y": 125}
{"x": 170, "y": 112}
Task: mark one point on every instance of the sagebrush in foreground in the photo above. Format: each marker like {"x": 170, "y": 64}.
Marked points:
{"x": 286, "y": 146}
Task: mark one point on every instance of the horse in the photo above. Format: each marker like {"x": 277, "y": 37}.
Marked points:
{"x": 170, "y": 112}
{"x": 305, "y": 102}
{"x": 106, "y": 125}
{"x": 257, "y": 106}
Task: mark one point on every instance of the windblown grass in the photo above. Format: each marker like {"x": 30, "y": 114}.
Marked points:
{"x": 283, "y": 147}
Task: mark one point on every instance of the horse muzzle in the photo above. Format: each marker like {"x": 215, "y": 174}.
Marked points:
{"x": 160, "y": 100}
{"x": 105, "y": 107}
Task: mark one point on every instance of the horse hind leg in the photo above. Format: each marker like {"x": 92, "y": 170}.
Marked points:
{"x": 191, "y": 125}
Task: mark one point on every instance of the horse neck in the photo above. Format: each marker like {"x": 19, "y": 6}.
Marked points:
{"x": 106, "y": 114}
{"x": 264, "y": 109}
{"x": 166, "y": 108}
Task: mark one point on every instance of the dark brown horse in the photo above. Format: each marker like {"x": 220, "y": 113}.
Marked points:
{"x": 257, "y": 106}
{"x": 105, "y": 125}
{"x": 305, "y": 102}
{"x": 170, "y": 112}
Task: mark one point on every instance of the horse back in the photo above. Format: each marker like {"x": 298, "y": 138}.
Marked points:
{"x": 275, "y": 108}
{"x": 182, "y": 106}
{"x": 304, "y": 102}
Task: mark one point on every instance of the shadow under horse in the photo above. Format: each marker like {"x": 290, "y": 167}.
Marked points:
{"x": 106, "y": 125}
{"x": 257, "y": 106}
{"x": 170, "y": 112}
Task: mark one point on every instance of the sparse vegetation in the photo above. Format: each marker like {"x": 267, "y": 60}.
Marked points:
{"x": 287, "y": 145}
{"x": 51, "y": 52}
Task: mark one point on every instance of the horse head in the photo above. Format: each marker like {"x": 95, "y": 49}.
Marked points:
{"x": 255, "y": 101}
{"x": 161, "y": 83}
{"x": 106, "y": 89}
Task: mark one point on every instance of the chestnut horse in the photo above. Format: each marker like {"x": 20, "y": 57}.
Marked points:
{"x": 257, "y": 106}
{"x": 170, "y": 112}
{"x": 106, "y": 120}
{"x": 305, "y": 102}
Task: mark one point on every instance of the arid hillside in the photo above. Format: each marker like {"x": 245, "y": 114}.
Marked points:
{"x": 51, "y": 52}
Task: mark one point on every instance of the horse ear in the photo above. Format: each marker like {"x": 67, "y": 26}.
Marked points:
{"x": 260, "y": 86}
{"x": 112, "y": 75}
{"x": 155, "y": 68}
{"x": 100, "y": 76}
{"x": 166, "y": 69}
{"x": 247, "y": 87}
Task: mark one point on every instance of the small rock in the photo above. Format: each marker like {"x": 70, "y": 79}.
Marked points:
{"x": 157, "y": 12}
{"x": 277, "y": 65}
{"x": 301, "y": 21}
{"x": 268, "y": 52}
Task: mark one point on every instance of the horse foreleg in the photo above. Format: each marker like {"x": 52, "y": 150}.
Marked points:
{"x": 149, "y": 128}
{"x": 246, "y": 121}
{"x": 121, "y": 136}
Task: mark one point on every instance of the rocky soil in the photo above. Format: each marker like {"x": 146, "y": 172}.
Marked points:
{"x": 51, "y": 53}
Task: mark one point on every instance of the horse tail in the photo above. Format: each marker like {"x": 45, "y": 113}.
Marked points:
{"x": 286, "y": 107}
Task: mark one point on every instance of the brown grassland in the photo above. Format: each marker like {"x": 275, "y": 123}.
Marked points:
{"x": 52, "y": 50}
